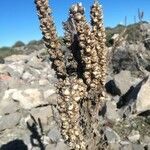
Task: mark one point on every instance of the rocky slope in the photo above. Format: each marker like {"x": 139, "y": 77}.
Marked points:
{"x": 28, "y": 101}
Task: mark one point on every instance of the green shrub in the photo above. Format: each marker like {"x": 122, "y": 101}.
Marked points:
{"x": 7, "y": 51}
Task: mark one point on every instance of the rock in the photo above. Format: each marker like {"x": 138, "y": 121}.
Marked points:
{"x": 137, "y": 147}
{"x": 2, "y": 67}
{"x": 54, "y": 135}
{"x": 43, "y": 82}
{"x": 17, "y": 67}
{"x": 8, "y": 107}
{"x": 35, "y": 73}
{"x": 29, "y": 98}
{"x": 27, "y": 76}
{"x": 50, "y": 147}
{"x": 43, "y": 113}
{"x": 58, "y": 146}
{"x": 115, "y": 37}
{"x": 114, "y": 146}
{"x": 5, "y": 77}
{"x": 9, "y": 121}
{"x": 3, "y": 85}
{"x": 16, "y": 58}
{"x": 123, "y": 81}
{"x": 48, "y": 93}
{"x": 143, "y": 98}
{"x": 111, "y": 135}
{"x": 146, "y": 140}
{"x": 8, "y": 93}
{"x": 127, "y": 147}
{"x": 111, "y": 111}
{"x": 16, "y": 83}
{"x": 121, "y": 60}
{"x": 134, "y": 136}
{"x": 35, "y": 62}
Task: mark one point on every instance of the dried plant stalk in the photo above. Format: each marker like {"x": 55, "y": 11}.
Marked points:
{"x": 100, "y": 38}
{"x": 50, "y": 37}
{"x": 71, "y": 94}
{"x": 82, "y": 71}
{"x": 86, "y": 43}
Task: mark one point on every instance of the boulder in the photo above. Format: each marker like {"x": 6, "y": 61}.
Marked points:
{"x": 9, "y": 121}
{"x": 27, "y": 76}
{"x": 123, "y": 81}
{"x": 58, "y": 146}
{"x": 134, "y": 136}
{"x": 8, "y": 107}
{"x": 16, "y": 58}
{"x": 111, "y": 136}
{"x": 35, "y": 62}
{"x": 143, "y": 97}
{"x": 29, "y": 98}
{"x": 43, "y": 113}
{"x": 55, "y": 135}
{"x": 111, "y": 111}
{"x": 16, "y": 69}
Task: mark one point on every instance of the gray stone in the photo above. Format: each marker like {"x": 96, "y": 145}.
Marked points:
{"x": 48, "y": 93}
{"x": 16, "y": 58}
{"x": 8, "y": 93}
{"x": 54, "y": 134}
{"x": 35, "y": 62}
{"x": 146, "y": 140}
{"x": 43, "y": 82}
{"x": 43, "y": 113}
{"x": 29, "y": 98}
{"x": 111, "y": 135}
{"x": 12, "y": 134}
{"x": 3, "y": 85}
{"x": 137, "y": 147}
{"x": 34, "y": 72}
{"x": 2, "y": 68}
{"x": 123, "y": 81}
{"x": 58, "y": 146}
{"x": 114, "y": 146}
{"x": 126, "y": 147}
{"x": 17, "y": 68}
{"x": 134, "y": 136}
{"x": 143, "y": 98}
{"x": 111, "y": 111}
{"x": 26, "y": 75}
{"x": 16, "y": 83}
{"x": 9, "y": 121}
{"x": 8, "y": 106}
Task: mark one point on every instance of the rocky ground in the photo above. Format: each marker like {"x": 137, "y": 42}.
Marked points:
{"x": 29, "y": 119}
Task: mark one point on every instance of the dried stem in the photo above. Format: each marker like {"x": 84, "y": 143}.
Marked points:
{"x": 50, "y": 37}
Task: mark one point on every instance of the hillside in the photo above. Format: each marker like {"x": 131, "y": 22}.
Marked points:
{"x": 29, "y": 96}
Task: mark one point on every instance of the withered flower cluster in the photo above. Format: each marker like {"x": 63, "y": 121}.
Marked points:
{"x": 100, "y": 38}
{"x": 50, "y": 37}
{"x": 71, "y": 94}
{"x": 81, "y": 72}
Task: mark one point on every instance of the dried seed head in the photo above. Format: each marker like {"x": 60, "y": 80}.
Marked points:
{"x": 66, "y": 92}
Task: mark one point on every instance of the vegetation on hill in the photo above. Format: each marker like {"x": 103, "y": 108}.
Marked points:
{"x": 133, "y": 31}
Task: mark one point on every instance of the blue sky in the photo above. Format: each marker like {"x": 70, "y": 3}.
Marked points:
{"x": 18, "y": 20}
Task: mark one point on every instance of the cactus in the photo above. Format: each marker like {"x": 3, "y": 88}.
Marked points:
{"x": 81, "y": 72}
